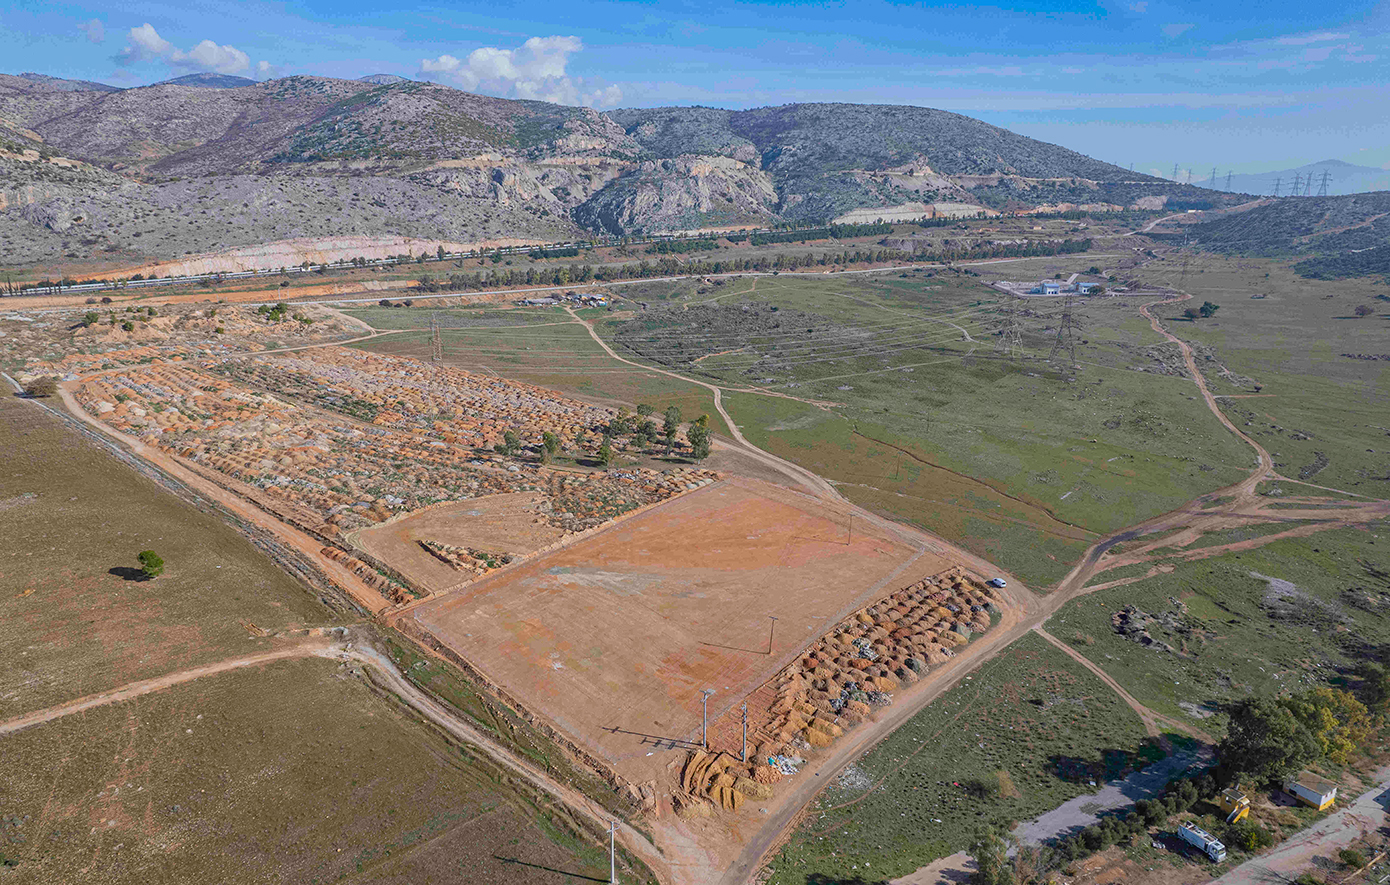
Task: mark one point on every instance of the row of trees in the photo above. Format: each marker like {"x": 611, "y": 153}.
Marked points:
{"x": 640, "y": 432}
{"x": 668, "y": 265}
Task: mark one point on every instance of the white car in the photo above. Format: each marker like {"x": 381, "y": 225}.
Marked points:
{"x": 998, "y": 582}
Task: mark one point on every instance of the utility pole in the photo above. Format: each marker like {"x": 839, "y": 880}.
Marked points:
{"x": 436, "y": 343}
{"x": 1322, "y": 185}
{"x": 771, "y": 630}
{"x": 704, "y": 716}
{"x": 612, "y": 853}
{"x": 744, "y": 757}
{"x": 1067, "y": 331}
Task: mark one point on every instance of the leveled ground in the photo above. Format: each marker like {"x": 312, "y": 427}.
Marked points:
{"x": 614, "y": 637}
{"x": 1026, "y": 732}
{"x": 74, "y": 620}
{"x": 296, "y": 772}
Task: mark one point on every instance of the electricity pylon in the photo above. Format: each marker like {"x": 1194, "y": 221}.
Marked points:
{"x": 436, "y": 342}
{"x": 1067, "y": 331}
{"x": 1009, "y": 342}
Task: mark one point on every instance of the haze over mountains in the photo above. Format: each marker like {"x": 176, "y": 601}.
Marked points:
{"x": 1342, "y": 178}
{"x": 209, "y": 163}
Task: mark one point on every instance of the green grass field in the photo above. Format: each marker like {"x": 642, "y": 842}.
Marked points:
{"x": 922, "y": 793}
{"x": 1024, "y": 464}
{"x": 1236, "y": 637}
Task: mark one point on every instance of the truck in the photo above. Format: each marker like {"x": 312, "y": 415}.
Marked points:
{"x": 1199, "y": 838}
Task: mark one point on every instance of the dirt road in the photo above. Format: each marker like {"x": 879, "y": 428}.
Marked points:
{"x": 1365, "y": 814}
{"x": 800, "y": 474}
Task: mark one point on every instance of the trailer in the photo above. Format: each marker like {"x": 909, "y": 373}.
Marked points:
{"x": 1312, "y": 790}
{"x": 1199, "y": 838}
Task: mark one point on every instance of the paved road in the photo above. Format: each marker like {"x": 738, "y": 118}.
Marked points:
{"x": 1079, "y": 813}
{"x": 1323, "y": 839}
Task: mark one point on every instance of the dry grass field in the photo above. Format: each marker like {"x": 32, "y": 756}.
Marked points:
{"x": 73, "y": 619}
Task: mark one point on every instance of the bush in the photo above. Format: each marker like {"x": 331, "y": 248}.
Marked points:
{"x": 151, "y": 565}
{"x": 1352, "y": 858}
{"x": 39, "y": 387}
{"x": 1248, "y": 836}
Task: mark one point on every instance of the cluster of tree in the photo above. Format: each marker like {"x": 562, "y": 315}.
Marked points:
{"x": 1268, "y": 738}
{"x": 280, "y": 312}
{"x": 540, "y": 254}
{"x": 1207, "y": 309}
{"x": 640, "y": 431}
{"x": 680, "y": 247}
{"x": 826, "y": 232}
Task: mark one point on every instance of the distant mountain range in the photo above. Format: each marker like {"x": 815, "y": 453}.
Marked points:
{"x": 168, "y": 170}
{"x": 1342, "y": 178}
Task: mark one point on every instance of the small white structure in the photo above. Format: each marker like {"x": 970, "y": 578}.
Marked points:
{"x": 1085, "y": 288}
{"x": 1194, "y": 835}
{"x": 1312, "y": 790}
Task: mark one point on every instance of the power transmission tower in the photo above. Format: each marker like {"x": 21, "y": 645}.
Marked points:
{"x": 1213, "y": 178}
{"x": 1068, "y": 331}
{"x": 436, "y": 342}
{"x": 1189, "y": 176}
{"x": 1009, "y": 342}
{"x": 1228, "y": 179}
{"x": 1277, "y": 182}
{"x": 1175, "y": 171}
{"x": 1322, "y": 185}
{"x": 1297, "y": 184}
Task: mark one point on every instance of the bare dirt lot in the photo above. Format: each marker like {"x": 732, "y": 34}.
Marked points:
{"x": 496, "y": 523}
{"x": 614, "y": 637}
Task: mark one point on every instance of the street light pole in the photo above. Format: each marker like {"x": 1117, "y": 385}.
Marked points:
{"x": 704, "y": 716}
{"x": 744, "y": 758}
{"x": 613, "y": 853}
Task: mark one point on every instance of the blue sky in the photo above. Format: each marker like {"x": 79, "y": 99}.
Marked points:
{"x": 1241, "y": 86}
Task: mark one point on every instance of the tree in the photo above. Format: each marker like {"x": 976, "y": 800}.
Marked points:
{"x": 645, "y": 410}
{"x": 1364, "y": 310}
{"x": 509, "y": 445}
{"x": 605, "y": 454}
{"x": 90, "y": 318}
{"x": 699, "y": 437}
{"x": 1338, "y": 722}
{"x": 550, "y": 443}
{"x": 1375, "y": 685}
{"x": 151, "y": 565}
{"x": 439, "y": 253}
{"x": 991, "y": 853}
{"x": 40, "y": 387}
{"x": 671, "y": 426}
{"x": 1208, "y": 308}
{"x": 1266, "y": 741}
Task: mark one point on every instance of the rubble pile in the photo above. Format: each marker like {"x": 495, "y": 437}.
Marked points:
{"x": 466, "y": 559}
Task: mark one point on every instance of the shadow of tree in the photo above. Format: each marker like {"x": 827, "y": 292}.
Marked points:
{"x": 126, "y": 573}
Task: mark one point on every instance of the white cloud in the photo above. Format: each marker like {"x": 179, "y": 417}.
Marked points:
{"x": 94, "y": 29}
{"x": 1177, "y": 29}
{"x": 534, "y": 70}
{"x": 1305, "y": 39}
{"x": 267, "y": 71}
{"x": 1141, "y": 7}
{"x": 145, "y": 44}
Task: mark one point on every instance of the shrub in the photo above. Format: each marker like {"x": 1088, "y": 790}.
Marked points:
{"x": 1352, "y": 858}
{"x": 151, "y": 565}
{"x": 39, "y": 387}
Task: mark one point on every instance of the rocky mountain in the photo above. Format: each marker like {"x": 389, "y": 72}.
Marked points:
{"x": 383, "y": 79}
{"x": 210, "y": 81}
{"x": 180, "y": 168}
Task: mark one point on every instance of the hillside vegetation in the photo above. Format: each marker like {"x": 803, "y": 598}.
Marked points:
{"x": 1336, "y": 237}
{"x": 205, "y": 164}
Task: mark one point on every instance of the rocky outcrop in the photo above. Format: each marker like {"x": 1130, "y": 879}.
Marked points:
{"x": 682, "y": 193}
